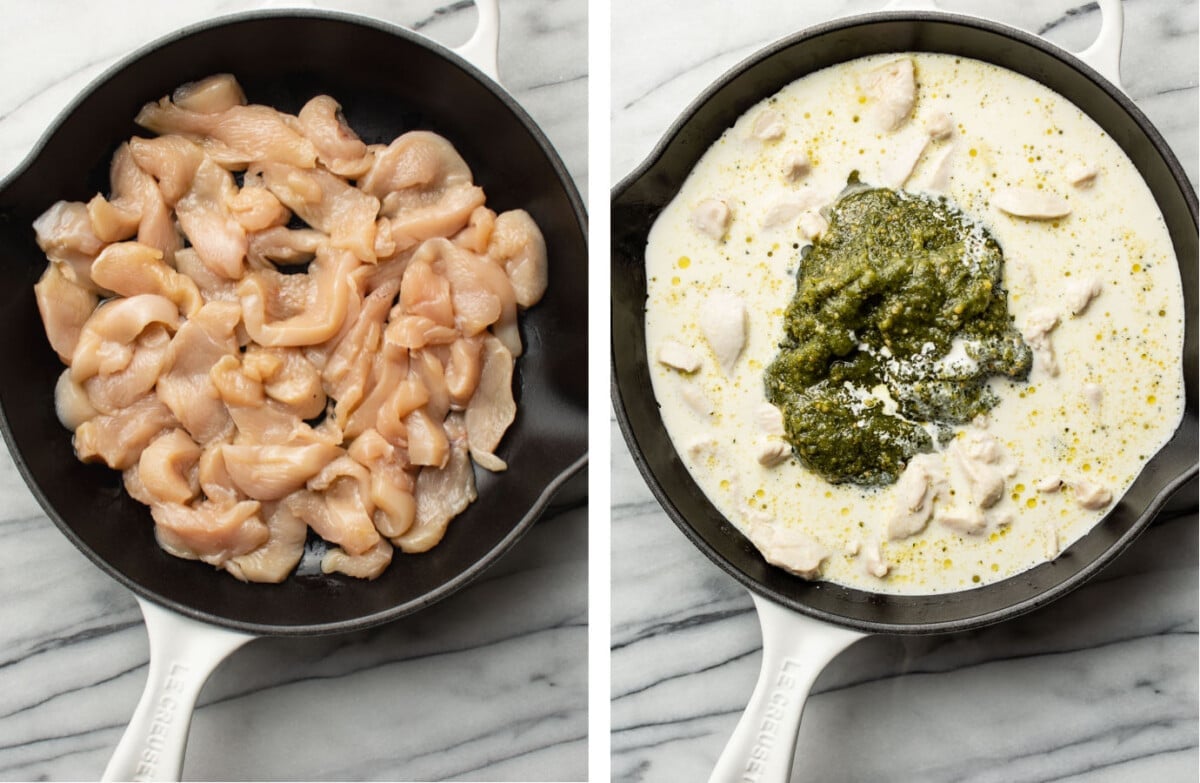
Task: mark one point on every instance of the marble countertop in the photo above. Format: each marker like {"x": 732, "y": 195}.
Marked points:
{"x": 1099, "y": 686}
{"x": 490, "y": 684}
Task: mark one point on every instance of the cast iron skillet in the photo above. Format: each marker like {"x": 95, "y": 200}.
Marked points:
{"x": 637, "y": 201}
{"x": 389, "y": 80}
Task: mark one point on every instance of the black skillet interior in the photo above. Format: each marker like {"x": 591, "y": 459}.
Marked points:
{"x": 638, "y": 200}
{"x": 388, "y": 81}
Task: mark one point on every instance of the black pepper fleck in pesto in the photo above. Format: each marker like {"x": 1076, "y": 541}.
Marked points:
{"x": 880, "y": 298}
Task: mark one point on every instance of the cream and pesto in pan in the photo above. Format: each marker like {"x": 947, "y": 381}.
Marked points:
{"x": 914, "y": 324}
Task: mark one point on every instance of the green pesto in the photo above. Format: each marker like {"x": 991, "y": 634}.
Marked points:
{"x": 879, "y": 299}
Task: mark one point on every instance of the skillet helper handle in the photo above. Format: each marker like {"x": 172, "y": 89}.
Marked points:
{"x": 795, "y": 650}
{"x": 183, "y": 653}
{"x": 1104, "y": 55}
{"x": 482, "y": 50}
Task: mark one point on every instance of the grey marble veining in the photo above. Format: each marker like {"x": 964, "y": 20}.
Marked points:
{"x": 490, "y": 684}
{"x": 1100, "y": 686}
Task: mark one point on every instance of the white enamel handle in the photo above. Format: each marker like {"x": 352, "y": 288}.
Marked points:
{"x": 483, "y": 47}
{"x": 183, "y": 653}
{"x": 795, "y": 650}
{"x": 1104, "y": 55}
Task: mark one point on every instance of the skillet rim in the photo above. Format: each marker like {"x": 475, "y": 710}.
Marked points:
{"x": 574, "y": 201}
{"x": 1081, "y": 574}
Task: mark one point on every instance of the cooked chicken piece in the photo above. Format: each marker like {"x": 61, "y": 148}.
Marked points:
{"x": 168, "y": 468}
{"x": 282, "y": 245}
{"x": 131, "y": 268}
{"x": 796, "y": 166}
{"x": 1038, "y": 325}
{"x": 769, "y": 125}
{"x": 299, "y": 309}
{"x": 279, "y": 555}
{"x": 347, "y": 367}
{"x": 64, "y": 233}
{"x": 211, "y": 95}
{"x": 441, "y": 493}
{"x": 939, "y": 169}
{"x": 65, "y": 307}
{"x": 787, "y": 547}
{"x": 696, "y": 399}
{"x": 1049, "y": 484}
{"x": 236, "y": 136}
{"x": 71, "y": 403}
{"x": 980, "y": 461}
{"x": 491, "y": 409}
{"x": 118, "y": 440}
{"x": 1081, "y": 175}
{"x": 288, "y": 377}
{"x": 873, "y": 560}
{"x": 712, "y": 218}
{"x": 723, "y": 323}
{"x": 893, "y": 87}
{"x": 345, "y": 486}
{"x": 782, "y": 213}
{"x": 772, "y": 452}
{"x": 270, "y": 472}
{"x": 703, "y": 448}
{"x": 478, "y": 233}
{"x": 939, "y": 126}
{"x": 208, "y": 223}
{"x": 1081, "y": 291}
{"x": 391, "y": 482}
{"x": 1050, "y": 543}
{"x": 813, "y": 225}
{"x": 1090, "y": 495}
{"x": 517, "y": 245}
{"x": 913, "y": 496}
{"x": 256, "y": 208}
{"x": 368, "y": 565}
{"x": 112, "y": 392}
{"x": 900, "y": 163}
{"x": 338, "y": 147}
{"x": 1094, "y": 394}
{"x": 327, "y": 203}
{"x": 462, "y": 370}
{"x": 678, "y": 356}
{"x": 106, "y": 339}
{"x": 1031, "y": 203}
{"x": 769, "y": 419}
{"x": 208, "y": 531}
{"x": 185, "y": 386}
{"x": 171, "y": 160}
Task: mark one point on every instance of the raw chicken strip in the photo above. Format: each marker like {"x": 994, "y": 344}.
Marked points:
{"x": 441, "y": 493}
{"x": 112, "y": 392}
{"x": 282, "y": 245}
{"x": 313, "y": 509}
{"x": 71, "y": 403}
{"x": 64, "y": 233}
{"x": 118, "y": 440}
{"x": 272, "y": 472}
{"x": 368, "y": 565}
{"x": 210, "y": 95}
{"x": 208, "y": 223}
{"x": 104, "y": 345}
{"x": 345, "y": 486}
{"x": 131, "y": 268}
{"x": 208, "y": 531}
{"x": 463, "y": 370}
{"x": 167, "y": 468}
{"x": 491, "y": 410}
{"x": 338, "y": 147}
{"x": 328, "y": 204}
{"x": 478, "y": 233}
{"x": 117, "y": 218}
{"x": 185, "y": 386}
{"x": 288, "y": 377}
{"x": 479, "y": 291}
{"x": 65, "y": 307}
{"x": 299, "y": 310}
{"x": 171, "y": 160}
{"x": 348, "y": 366}
{"x": 256, "y": 208}
{"x": 518, "y": 246}
{"x": 278, "y": 556}
{"x": 391, "y": 484}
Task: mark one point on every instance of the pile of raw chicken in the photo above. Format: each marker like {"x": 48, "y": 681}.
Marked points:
{"x": 326, "y": 346}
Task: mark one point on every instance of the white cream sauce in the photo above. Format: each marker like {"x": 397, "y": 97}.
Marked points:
{"x": 979, "y": 134}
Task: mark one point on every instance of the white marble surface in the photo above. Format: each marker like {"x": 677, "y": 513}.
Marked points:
{"x": 1100, "y": 686}
{"x": 490, "y": 684}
